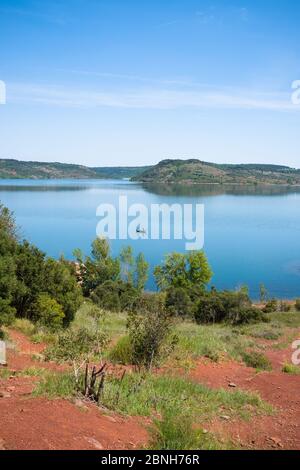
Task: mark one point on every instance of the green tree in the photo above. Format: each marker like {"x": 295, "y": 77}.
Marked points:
{"x": 178, "y": 302}
{"x": 8, "y": 279}
{"x": 31, "y": 279}
{"x": 62, "y": 285}
{"x": 98, "y": 268}
{"x": 263, "y": 293}
{"x": 127, "y": 264}
{"x": 184, "y": 271}
{"x": 47, "y": 311}
{"x": 141, "y": 272}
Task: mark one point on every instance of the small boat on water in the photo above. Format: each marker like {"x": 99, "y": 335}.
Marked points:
{"x": 141, "y": 230}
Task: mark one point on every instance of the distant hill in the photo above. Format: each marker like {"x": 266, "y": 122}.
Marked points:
{"x": 120, "y": 172}
{"x": 37, "y": 170}
{"x": 199, "y": 172}
{"x": 167, "y": 171}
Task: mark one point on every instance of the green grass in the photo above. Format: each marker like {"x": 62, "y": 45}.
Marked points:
{"x": 114, "y": 324}
{"x": 271, "y": 332}
{"x": 212, "y": 341}
{"x": 257, "y": 361}
{"x": 144, "y": 395}
{"x": 288, "y": 319}
{"x": 139, "y": 395}
{"x": 24, "y": 326}
{"x": 5, "y": 373}
{"x": 56, "y": 385}
{"x": 177, "y": 431}
{"x": 36, "y": 333}
{"x": 291, "y": 369}
{"x": 121, "y": 352}
{"x": 33, "y": 372}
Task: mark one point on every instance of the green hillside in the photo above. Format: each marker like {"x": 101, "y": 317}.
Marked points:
{"x": 196, "y": 171}
{"x": 10, "y": 168}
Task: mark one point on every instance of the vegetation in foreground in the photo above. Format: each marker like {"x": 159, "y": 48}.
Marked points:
{"x": 98, "y": 310}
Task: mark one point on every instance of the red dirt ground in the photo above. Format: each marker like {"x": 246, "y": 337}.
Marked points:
{"x": 28, "y": 423}
{"x": 281, "y": 431}
{"x": 42, "y": 424}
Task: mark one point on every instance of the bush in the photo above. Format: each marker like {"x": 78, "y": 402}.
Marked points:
{"x": 7, "y": 313}
{"x": 256, "y": 360}
{"x": 24, "y": 326}
{"x": 178, "y": 302}
{"x": 234, "y": 307}
{"x": 76, "y": 344}
{"x": 291, "y": 369}
{"x": 271, "y": 306}
{"x": 297, "y": 305}
{"x": 176, "y": 431}
{"x": 150, "y": 338}
{"x": 284, "y": 307}
{"x": 122, "y": 352}
{"x": 115, "y": 296}
{"x": 150, "y": 302}
{"x": 48, "y": 312}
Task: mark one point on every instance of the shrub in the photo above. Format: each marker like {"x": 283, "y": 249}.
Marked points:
{"x": 291, "y": 369}
{"x": 7, "y": 313}
{"x": 271, "y": 306}
{"x": 284, "y": 307}
{"x": 122, "y": 352}
{"x": 297, "y": 305}
{"x": 151, "y": 302}
{"x": 256, "y": 360}
{"x": 150, "y": 338}
{"x": 176, "y": 431}
{"x": 74, "y": 344}
{"x": 115, "y": 296}
{"x": 234, "y": 307}
{"x": 24, "y": 326}
{"x": 178, "y": 302}
{"x": 48, "y": 312}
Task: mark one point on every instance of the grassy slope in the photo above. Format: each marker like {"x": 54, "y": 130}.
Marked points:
{"x": 38, "y": 170}
{"x": 195, "y": 171}
{"x": 167, "y": 171}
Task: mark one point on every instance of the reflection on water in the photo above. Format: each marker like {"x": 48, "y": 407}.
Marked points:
{"x": 217, "y": 189}
{"x": 251, "y": 232}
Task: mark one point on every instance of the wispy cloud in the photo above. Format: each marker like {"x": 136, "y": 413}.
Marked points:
{"x": 57, "y": 19}
{"x": 131, "y": 78}
{"x": 150, "y": 98}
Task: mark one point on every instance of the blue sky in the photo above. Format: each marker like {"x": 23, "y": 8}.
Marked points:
{"x": 111, "y": 82}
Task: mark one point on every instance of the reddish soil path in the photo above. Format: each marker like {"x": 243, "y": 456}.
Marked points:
{"x": 42, "y": 424}
{"x": 282, "y": 430}
{"x": 28, "y": 423}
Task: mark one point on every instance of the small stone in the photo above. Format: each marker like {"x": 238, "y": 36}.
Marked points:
{"x": 277, "y": 442}
{"x": 94, "y": 443}
{"x": 232, "y": 385}
{"x": 11, "y": 389}
{"x": 5, "y": 395}
{"x": 80, "y": 404}
{"x": 2, "y": 445}
{"x": 110, "y": 418}
{"x": 225, "y": 418}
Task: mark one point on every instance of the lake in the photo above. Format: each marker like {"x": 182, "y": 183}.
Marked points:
{"x": 252, "y": 235}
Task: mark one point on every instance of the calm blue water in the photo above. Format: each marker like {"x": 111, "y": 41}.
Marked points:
{"x": 251, "y": 237}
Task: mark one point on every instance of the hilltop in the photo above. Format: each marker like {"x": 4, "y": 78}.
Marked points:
{"x": 10, "y": 169}
{"x": 196, "y": 171}
{"x": 167, "y": 171}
